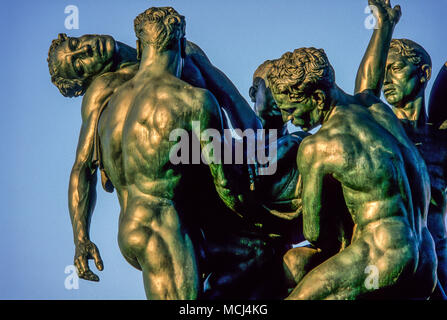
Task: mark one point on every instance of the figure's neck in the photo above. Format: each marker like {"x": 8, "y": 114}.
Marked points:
{"x": 413, "y": 111}
{"x": 337, "y": 97}
{"x": 125, "y": 54}
{"x": 168, "y": 61}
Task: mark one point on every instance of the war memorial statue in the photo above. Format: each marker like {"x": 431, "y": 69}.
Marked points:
{"x": 213, "y": 229}
{"x": 227, "y": 250}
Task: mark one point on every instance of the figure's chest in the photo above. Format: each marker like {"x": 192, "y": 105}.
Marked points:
{"x": 112, "y": 121}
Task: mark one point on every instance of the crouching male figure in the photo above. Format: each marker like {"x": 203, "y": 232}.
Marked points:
{"x": 365, "y": 191}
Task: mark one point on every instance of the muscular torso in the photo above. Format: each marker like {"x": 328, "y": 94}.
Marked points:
{"x": 134, "y": 138}
{"x": 134, "y": 132}
{"x": 375, "y": 164}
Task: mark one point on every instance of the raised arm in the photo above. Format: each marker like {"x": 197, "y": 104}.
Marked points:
{"x": 229, "y": 98}
{"x": 371, "y": 72}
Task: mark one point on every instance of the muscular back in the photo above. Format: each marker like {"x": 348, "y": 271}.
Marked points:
{"x": 135, "y": 131}
{"x": 378, "y": 168}
{"x": 363, "y": 151}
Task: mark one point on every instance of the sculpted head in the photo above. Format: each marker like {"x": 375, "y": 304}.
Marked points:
{"x": 74, "y": 62}
{"x": 260, "y": 93}
{"x": 408, "y": 69}
{"x": 161, "y": 28}
{"x": 301, "y": 82}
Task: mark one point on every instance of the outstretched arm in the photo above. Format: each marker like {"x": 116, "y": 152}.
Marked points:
{"x": 371, "y": 72}
{"x": 227, "y": 95}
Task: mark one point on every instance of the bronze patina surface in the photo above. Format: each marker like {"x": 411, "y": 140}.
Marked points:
{"x": 367, "y": 190}
{"x": 229, "y": 251}
{"x": 401, "y": 68}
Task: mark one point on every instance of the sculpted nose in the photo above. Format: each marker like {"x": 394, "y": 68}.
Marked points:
{"x": 387, "y": 78}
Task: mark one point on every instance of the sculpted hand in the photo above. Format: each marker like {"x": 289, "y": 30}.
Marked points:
{"x": 84, "y": 251}
{"x": 385, "y": 13}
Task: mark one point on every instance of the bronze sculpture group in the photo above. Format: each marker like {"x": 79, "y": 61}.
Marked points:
{"x": 367, "y": 190}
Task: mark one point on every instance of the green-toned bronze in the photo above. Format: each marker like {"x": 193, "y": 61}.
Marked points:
{"x": 70, "y": 61}
{"x": 155, "y": 233}
{"x": 365, "y": 189}
{"x": 231, "y": 242}
{"x": 212, "y": 231}
{"x": 264, "y": 104}
{"x": 406, "y": 69}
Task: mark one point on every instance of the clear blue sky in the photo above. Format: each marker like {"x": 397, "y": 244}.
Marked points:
{"x": 40, "y": 127}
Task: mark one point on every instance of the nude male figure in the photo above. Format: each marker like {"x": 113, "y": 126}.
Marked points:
{"x": 402, "y": 68}
{"x": 264, "y": 104}
{"x": 365, "y": 188}
{"x": 95, "y": 66}
{"x": 154, "y": 234}
{"x": 223, "y": 260}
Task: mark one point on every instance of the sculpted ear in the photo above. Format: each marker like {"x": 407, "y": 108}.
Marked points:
{"x": 139, "y": 50}
{"x": 426, "y": 73}
{"x": 319, "y": 98}
{"x": 252, "y": 93}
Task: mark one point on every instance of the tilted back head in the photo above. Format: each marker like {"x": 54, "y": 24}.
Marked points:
{"x": 67, "y": 87}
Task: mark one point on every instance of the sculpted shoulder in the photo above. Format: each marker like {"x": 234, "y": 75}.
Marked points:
{"x": 329, "y": 147}
{"x": 194, "y": 51}
{"x": 202, "y": 98}
{"x": 103, "y": 86}
{"x": 372, "y": 103}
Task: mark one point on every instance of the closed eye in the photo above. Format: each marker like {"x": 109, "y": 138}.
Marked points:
{"x": 78, "y": 67}
{"x": 73, "y": 43}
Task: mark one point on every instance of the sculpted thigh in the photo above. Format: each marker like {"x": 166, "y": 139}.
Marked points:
{"x": 133, "y": 235}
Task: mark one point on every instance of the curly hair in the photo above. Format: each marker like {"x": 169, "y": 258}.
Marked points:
{"x": 414, "y": 52}
{"x": 159, "y": 27}
{"x": 67, "y": 87}
{"x": 262, "y": 71}
{"x": 301, "y": 72}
